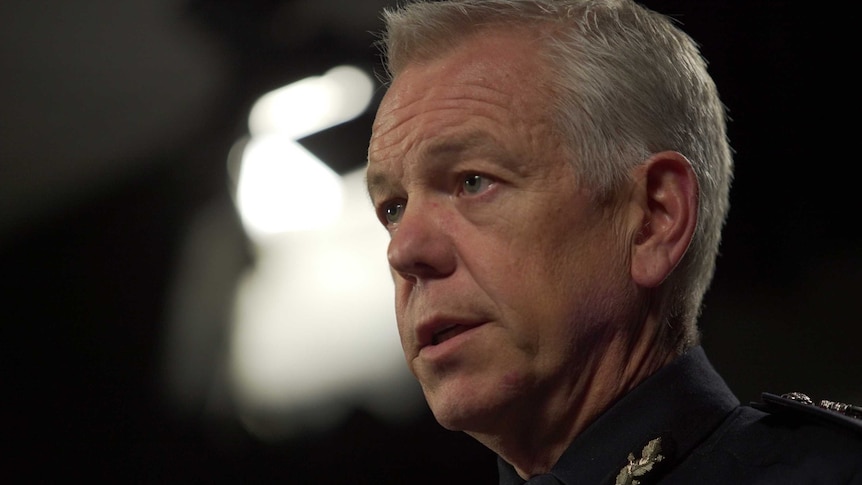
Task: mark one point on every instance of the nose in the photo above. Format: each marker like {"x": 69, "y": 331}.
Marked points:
{"x": 421, "y": 248}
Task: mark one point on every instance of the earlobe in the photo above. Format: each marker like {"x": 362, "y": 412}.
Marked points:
{"x": 666, "y": 194}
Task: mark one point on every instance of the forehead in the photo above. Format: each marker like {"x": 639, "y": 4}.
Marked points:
{"x": 492, "y": 57}
{"x": 491, "y": 83}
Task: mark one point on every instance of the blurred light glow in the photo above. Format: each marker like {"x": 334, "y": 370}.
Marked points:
{"x": 313, "y": 324}
{"x": 284, "y": 187}
{"x": 314, "y": 327}
{"x": 312, "y": 104}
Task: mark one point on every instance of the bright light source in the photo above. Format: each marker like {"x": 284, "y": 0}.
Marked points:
{"x": 314, "y": 327}
{"x": 314, "y": 331}
{"x": 281, "y": 185}
{"x": 312, "y": 104}
{"x": 284, "y": 187}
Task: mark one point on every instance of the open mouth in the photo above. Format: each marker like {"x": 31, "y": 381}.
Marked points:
{"x": 448, "y": 333}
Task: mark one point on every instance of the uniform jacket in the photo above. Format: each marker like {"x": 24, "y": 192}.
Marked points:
{"x": 683, "y": 425}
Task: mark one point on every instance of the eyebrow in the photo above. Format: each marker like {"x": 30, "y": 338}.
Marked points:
{"x": 376, "y": 181}
{"x": 478, "y": 142}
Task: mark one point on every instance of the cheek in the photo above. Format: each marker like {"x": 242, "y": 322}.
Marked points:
{"x": 577, "y": 280}
{"x": 514, "y": 380}
{"x": 401, "y": 317}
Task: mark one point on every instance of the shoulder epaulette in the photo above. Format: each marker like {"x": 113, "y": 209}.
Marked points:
{"x": 796, "y": 404}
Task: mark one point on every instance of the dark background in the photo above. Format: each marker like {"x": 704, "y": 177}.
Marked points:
{"x": 115, "y": 124}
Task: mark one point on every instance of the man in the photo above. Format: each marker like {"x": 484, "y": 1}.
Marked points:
{"x": 554, "y": 176}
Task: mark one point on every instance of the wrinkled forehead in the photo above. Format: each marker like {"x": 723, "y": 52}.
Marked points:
{"x": 490, "y": 56}
{"x": 493, "y": 75}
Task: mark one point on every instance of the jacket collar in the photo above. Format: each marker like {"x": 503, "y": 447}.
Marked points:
{"x": 681, "y": 404}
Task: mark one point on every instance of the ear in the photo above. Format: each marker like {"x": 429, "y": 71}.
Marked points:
{"x": 665, "y": 195}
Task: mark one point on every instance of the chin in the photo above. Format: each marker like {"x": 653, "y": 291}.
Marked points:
{"x": 458, "y": 418}
{"x": 470, "y": 407}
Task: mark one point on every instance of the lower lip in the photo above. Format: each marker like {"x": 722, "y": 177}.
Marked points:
{"x": 448, "y": 348}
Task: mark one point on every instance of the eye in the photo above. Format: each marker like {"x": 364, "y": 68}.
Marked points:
{"x": 476, "y": 184}
{"x": 391, "y": 212}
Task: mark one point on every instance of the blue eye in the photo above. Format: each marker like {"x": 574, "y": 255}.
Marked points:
{"x": 392, "y": 212}
{"x": 475, "y": 183}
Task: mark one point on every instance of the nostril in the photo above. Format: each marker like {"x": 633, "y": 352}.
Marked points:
{"x": 407, "y": 278}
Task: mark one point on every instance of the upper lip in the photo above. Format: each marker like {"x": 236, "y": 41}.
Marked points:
{"x": 427, "y": 330}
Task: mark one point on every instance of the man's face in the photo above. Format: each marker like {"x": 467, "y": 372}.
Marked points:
{"x": 509, "y": 282}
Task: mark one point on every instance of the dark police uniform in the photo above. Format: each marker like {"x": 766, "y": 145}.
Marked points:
{"x": 683, "y": 425}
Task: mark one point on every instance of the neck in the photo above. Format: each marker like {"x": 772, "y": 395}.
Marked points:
{"x": 534, "y": 445}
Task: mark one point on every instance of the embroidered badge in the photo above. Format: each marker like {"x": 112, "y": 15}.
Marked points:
{"x": 637, "y": 468}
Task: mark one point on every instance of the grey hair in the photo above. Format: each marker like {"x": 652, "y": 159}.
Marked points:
{"x": 625, "y": 83}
